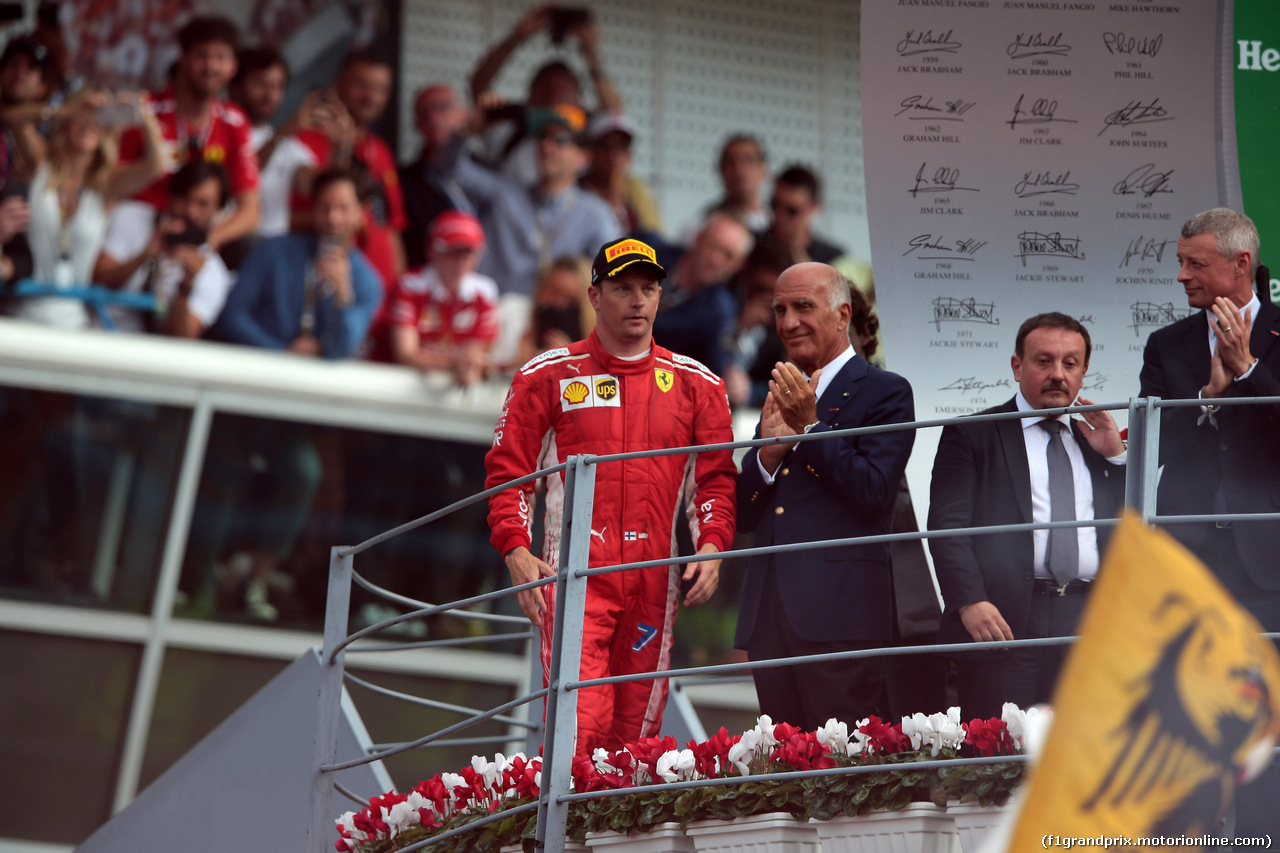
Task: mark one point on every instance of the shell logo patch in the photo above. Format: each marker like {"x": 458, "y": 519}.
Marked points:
{"x": 664, "y": 378}
{"x": 575, "y": 392}
{"x": 590, "y": 392}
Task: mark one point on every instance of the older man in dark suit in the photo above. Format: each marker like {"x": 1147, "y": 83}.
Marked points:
{"x": 1223, "y": 459}
{"x": 1007, "y": 586}
{"x": 834, "y": 599}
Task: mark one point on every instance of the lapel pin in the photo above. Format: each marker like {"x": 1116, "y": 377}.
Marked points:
{"x": 1274, "y": 332}
{"x": 833, "y": 409}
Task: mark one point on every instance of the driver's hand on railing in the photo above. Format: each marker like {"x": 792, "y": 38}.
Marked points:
{"x": 1103, "y": 434}
{"x": 984, "y": 623}
{"x": 526, "y": 568}
{"x": 705, "y": 575}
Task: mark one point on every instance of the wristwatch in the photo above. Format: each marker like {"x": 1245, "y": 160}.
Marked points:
{"x": 810, "y": 426}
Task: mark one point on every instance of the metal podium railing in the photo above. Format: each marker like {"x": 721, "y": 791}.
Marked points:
{"x": 571, "y": 582}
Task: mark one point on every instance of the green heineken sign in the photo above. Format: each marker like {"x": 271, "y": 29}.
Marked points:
{"x": 1257, "y": 87}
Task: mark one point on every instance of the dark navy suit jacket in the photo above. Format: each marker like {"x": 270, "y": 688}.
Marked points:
{"x": 830, "y": 489}
{"x": 1241, "y": 454}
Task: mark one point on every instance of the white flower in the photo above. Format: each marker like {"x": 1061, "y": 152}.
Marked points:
{"x": 490, "y": 770}
{"x": 600, "y": 757}
{"x": 947, "y": 731}
{"x": 400, "y": 817}
{"x": 858, "y": 741}
{"x": 451, "y": 781}
{"x": 676, "y": 765}
{"x": 834, "y": 735}
{"x": 741, "y": 753}
{"x": 1016, "y": 719}
{"x": 347, "y": 822}
{"x": 764, "y": 725}
{"x": 917, "y": 728}
{"x": 1034, "y": 731}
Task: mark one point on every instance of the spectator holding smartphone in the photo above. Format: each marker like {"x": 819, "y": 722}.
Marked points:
{"x": 75, "y": 182}
{"x": 171, "y": 258}
{"x": 310, "y": 294}
{"x": 508, "y": 144}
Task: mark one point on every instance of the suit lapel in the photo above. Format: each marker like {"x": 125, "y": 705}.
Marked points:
{"x": 842, "y": 390}
{"x": 1193, "y": 349}
{"x": 1015, "y": 458}
{"x": 1266, "y": 329}
{"x": 1099, "y": 468}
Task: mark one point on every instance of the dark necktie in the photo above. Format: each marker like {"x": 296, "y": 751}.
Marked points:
{"x": 1063, "y": 557}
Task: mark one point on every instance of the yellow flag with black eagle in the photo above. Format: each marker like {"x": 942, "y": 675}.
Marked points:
{"x": 1167, "y": 703}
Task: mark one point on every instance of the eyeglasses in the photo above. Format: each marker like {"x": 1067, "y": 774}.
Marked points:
{"x": 561, "y": 139}
{"x": 789, "y": 209}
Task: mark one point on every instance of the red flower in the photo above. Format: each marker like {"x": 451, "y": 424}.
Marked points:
{"x": 522, "y": 776}
{"x": 712, "y": 756}
{"x": 784, "y": 731}
{"x": 885, "y": 739}
{"x": 475, "y": 790}
{"x": 585, "y": 775}
{"x": 434, "y": 790}
{"x": 800, "y": 750}
{"x": 648, "y": 750}
{"x": 989, "y": 737}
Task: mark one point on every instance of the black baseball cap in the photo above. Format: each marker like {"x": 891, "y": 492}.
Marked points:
{"x": 614, "y": 257}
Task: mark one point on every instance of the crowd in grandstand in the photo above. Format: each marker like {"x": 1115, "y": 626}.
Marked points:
{"x": 470, "y": 258}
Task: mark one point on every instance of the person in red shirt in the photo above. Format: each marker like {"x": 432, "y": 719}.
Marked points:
{"x": 444, "y": 316}
{"x": 360, "y": 95}
{"x": 196, "y": 123}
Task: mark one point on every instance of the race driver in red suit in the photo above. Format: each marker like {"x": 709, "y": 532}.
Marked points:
{"x": 617, "y": 392}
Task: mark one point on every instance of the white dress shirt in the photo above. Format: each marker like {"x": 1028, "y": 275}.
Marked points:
{"x": 1037, "y": 442}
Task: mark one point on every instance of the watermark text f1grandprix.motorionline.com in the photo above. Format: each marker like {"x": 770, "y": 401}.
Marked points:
{"x": 1106, "y": 841}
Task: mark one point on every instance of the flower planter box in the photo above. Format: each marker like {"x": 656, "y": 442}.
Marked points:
{"x": 974, "y": 823}
{"x": 664, "y": 838}
{"x": 919, "y": 828}
{"x": 569, "y": 847}
{"x": 776, "y": 832}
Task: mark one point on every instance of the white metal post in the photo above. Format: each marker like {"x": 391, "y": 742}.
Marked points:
{"x": 1144, "y": 456}
{"x": 566, "y": 653}
{"x": 175, "y": 545}
{"x": 320, "y": 832}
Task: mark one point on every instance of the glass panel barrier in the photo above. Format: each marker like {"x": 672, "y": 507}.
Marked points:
{"x": 85, "y": 484}
{"x": 275, "y": 495}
